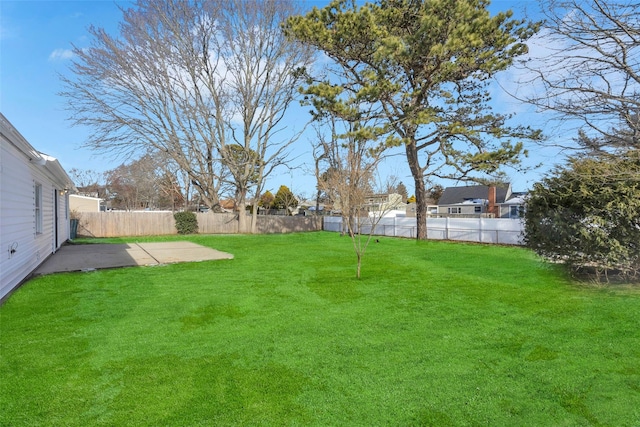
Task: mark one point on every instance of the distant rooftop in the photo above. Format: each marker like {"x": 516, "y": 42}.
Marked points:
{"x": 456, "y": 195}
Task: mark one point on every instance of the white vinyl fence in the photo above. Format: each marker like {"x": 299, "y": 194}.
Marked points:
{"x": 482, "y": 230}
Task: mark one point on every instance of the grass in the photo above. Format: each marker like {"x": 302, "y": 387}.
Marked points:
{"x": 434, "y": 333}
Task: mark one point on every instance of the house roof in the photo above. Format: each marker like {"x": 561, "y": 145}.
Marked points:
{"x": 517, "y": 200}
{"x": 55, "y": 170}
{"x": 79, "y": 196}
{"x": 50, "y": 165}
{"x": 228, "y": 204}
{"x": 455, "y": 195}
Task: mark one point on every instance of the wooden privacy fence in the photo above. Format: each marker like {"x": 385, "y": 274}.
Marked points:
{"x": 120, "y": 224}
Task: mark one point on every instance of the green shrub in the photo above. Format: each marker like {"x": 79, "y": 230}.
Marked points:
{"x": 186, "y": 222}
{"x": 587, "y": 216}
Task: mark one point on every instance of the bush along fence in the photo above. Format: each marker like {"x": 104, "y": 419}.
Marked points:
{"x": 121, "y": 224}
{"x": 481, "y": 230}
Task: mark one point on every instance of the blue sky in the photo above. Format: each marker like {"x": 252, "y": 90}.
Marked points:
{"x": 36, "y": 38}
{"x": 35, "y": 42}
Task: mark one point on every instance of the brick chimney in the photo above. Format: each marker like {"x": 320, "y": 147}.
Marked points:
{"x": 493, "y": 208}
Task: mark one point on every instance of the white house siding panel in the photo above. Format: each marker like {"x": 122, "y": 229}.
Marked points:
{"x": 17, "y": 213}
{"x": 18, "y": 221}
{"x": 45, "y": 244}
{"x": 22, "y": 250}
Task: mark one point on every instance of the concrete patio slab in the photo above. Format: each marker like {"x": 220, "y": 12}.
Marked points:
{"x": 99, "y": 256}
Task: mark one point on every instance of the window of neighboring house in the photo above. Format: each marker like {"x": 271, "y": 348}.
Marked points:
{"x": 38, "y": 204}
{"x": 514, "y": 212}
{"x": 477, "y": 209}
{"x": 454, "y": 210}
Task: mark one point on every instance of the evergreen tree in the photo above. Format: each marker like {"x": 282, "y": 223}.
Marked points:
{"x": 285, "y": 199}
{"x": 402, "y": 190}
{"x": 587, "y": 215}
{"x": 423, "y": 66}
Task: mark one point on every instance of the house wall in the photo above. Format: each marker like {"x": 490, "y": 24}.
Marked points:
{"x": 411, "y": 209}
{"x": 84, "y": 204}
{"x": 466, "y": 209}
{"x": 21, "y": 248}
{"x": 505, "y": 211}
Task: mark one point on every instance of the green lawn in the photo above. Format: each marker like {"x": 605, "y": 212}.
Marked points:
{"x": 434, "y": 333}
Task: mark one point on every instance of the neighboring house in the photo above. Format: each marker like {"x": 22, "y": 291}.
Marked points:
{"x": 383, "y": 202}
{"x": 34, "y": 207}
{"x": 393, "y": 213}
{"x": 379, "y": 203}
{"x": 514, "y": 207}
{"x": 84, "y": 203}
{"x": 94, "y": 191}
{"x": 227, "y": 205}
{"x": 432, "y": 208}
{"x": 308, "y": 207}
{"x": 476, "y": 200}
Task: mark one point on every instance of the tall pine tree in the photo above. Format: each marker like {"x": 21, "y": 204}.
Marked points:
{"x": 424, "y": 67}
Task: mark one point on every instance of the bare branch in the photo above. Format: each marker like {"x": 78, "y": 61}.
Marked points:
{"x": 589, "y": 70}
{"x": 188, "y": 79}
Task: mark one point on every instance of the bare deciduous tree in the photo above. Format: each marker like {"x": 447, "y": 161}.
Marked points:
{"x": 88, "y": 181}
{"x": 135, "y": 185}
{"x": 351, "y": 160}
{"x": 188, "y": 78}
{"x": 589, "y": 69}
{"x": 154, "y": 88}
{"x": 266, "y": 70}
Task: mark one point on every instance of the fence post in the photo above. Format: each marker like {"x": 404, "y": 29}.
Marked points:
{"x": 446, "y": 228}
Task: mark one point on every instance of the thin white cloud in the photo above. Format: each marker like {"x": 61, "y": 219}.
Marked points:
{"x": 61, "y": 55}
{"x": 6, "y": 32}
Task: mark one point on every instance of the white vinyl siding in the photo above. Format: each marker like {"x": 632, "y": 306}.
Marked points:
{"x": 28, "y": 185}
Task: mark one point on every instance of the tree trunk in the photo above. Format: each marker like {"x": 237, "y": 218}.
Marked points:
{"x": 254, "y": 216}
{"x": 318, "y": 194}
{"x": 241, "y": 209}
{"x": 242, "y": 218}
{"x": 421, "y": 209}
{"x": 421, "y": 200}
